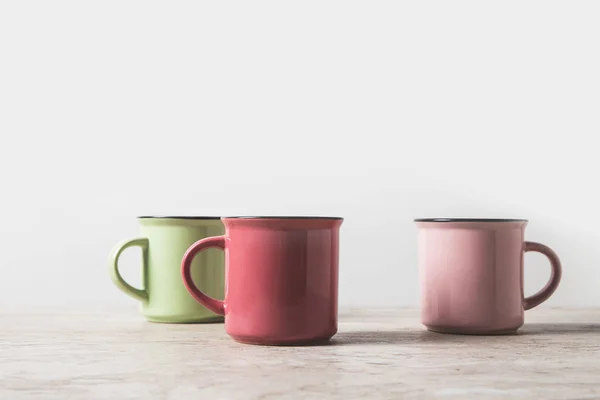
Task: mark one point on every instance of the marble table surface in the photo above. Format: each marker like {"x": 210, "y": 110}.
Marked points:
{"x": 377, "y": 354}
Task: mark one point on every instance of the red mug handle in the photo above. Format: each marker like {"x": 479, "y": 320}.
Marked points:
{"x": 552, "y": 284}
{"x": 216, "y": 306}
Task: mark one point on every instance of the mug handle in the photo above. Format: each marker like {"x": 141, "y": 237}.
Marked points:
{"x": 555, "y": 275}
{"x": 113, "y": 267}
{"x": 216, "y": 306}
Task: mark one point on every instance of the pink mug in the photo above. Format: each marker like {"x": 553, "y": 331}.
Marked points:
{"x": 281, "y": 278}
{"x": 471, "y": 275}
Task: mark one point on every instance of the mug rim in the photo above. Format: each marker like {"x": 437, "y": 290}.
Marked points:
{"x": 469, "y": 220}
{"x": 178, "y": 217}
{"x": 282, "y": 217}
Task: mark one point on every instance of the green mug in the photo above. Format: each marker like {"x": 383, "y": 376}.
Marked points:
{"x": 163, "y": 241}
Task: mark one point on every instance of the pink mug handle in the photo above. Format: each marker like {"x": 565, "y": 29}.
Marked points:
{"x": 216, "y": 306}
{"x": 552, "y": 284}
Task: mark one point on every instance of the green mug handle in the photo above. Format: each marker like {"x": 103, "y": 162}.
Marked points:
{"x": 113, "y": 267}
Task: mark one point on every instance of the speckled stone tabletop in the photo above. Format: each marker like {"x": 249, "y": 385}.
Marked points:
{"x": 377, "y": 354}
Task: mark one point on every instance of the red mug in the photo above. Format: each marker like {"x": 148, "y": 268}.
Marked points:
{"x": 281, "y": 278}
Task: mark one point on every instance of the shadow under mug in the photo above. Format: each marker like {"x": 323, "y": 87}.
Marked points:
{"x": 471, "y": 275}
{"x": 281, "y": 278}
{"x": 163, "y": 241}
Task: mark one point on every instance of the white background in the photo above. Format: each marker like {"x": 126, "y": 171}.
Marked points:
{"x": 377, "y": 111}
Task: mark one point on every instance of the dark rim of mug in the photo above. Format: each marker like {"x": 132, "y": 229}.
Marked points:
{"x": 175, "y": 217}
{"x": 282, "y": 217}
{"x": 468, "y": 220}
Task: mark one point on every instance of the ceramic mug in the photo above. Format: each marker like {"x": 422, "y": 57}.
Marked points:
{"x": 471, "y": 274}
{"x": 163, "y": 241}
{"x": 281, "y": 278}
